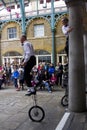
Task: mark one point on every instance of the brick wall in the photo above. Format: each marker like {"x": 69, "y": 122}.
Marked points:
{"x": 44, "y": 43}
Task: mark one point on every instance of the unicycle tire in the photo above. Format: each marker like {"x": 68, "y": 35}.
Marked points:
{"x": 64, "y": 100}
{"x": 36, "y": 113}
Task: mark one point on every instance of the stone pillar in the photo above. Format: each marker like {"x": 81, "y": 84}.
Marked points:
{"x": 85, "y": 57}
{"x": 77, "y": 99}
{"x": 85, "y": 41}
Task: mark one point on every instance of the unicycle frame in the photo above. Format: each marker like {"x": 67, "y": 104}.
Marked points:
{"x": 38, "y": 112}
{"x": 64, "y": 99}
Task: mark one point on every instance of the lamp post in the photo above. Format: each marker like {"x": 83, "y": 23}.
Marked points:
{"x": 53, "y": 32}
{"x": 23, "y": 16}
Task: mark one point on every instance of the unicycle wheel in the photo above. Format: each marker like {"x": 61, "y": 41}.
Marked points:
{"x": 64, "y": 100}
{"x": 36, "y": 113}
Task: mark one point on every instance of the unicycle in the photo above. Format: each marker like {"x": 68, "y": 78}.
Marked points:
{"x": 64, "y": 100}
{"x": 36, "y": 113}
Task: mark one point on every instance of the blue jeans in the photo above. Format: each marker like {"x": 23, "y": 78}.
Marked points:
{"x": 47, "y": 86}
{"x": 15, "y": 83}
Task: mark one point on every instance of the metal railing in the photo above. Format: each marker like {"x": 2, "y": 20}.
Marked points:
{"x": 32, "y": 13}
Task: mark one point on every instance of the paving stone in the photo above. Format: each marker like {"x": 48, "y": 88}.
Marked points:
{"x": 14, "y": 107}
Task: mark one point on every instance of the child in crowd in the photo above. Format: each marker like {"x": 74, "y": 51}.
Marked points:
{"x": 15, "y": 76}
{"x": 53, "y": 79}
{"x": 45, "y": 81}
{"x": 35, "y": 79}
{"x": 21, "y": 79}
{"x": 1, "y": 78}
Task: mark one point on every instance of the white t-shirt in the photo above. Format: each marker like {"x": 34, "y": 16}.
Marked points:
{"x": 64, "y": 30}
{"x": 28, "y": 50}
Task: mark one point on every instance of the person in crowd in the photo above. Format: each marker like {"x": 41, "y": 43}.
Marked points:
{"x": 4, "y": 78}
{"x": 1, "y": 67}
{"x": 46, "y": 66}
{"x": 21, "y": 80}
{"x": 35, "y": 79}
{"x": 15, "y": 76}
{"x": 8, "y": 74}
{"x": 45, "y": 81}
{"x": 60, "y": 73}
{"x": 29, "y": 61}
{"x": 53, "y": 79}
{"x": 1, "y": 77}
{"x": 51, "y": 69}
{"x": 40, "y": 68}
{"x": 35, "y": 69}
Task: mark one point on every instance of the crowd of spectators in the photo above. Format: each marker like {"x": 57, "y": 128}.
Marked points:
{"x": 45, "y": 74}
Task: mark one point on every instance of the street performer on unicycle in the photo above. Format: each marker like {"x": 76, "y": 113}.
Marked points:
{"x": 28, "y": 62}
{"x": 36, "y": 113}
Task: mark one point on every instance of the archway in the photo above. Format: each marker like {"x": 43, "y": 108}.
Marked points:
{"x": 61, "y": 57}
{"x": 43, "y": 56}
{"x": 12, "y": 58}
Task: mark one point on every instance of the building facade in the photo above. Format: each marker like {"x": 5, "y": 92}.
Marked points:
{"x": 39, "y": 16}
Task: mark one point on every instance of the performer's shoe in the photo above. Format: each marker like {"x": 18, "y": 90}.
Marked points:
{"x": 30, "y": 93}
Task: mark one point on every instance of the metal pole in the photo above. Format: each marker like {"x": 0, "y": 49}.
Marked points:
{"x": 10, "y": 10}
{"x": 53, "y": 32}
{"x": 23, "y": 16}
{"x": 37, "y": 7}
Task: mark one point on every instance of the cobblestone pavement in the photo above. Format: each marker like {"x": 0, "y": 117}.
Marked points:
{"x": 14, "y": 106}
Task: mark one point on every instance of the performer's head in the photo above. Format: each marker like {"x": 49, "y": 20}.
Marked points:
{"x": 23, "y": 38}
{"x": 65, "y": 21}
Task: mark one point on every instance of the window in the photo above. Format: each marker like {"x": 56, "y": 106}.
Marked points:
{"x": 18, "y": 6}
{"x": 12, "y": 33}
{"x": 11, "y": 7}
{"x": 42, "y": 1}
{"x": 39, "y": 30}
{"x": 57, "y": 0}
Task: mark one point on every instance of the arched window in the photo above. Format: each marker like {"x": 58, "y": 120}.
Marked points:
{"x": 43, "y": 56}
{"x": 13, "y": 53}
{"x": 41, "y": 52}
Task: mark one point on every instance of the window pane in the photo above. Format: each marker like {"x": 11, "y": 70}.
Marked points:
{"x": 39, "y": 30}
{"x": 41, "y": 1}
{"x": 12, "y": 33}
